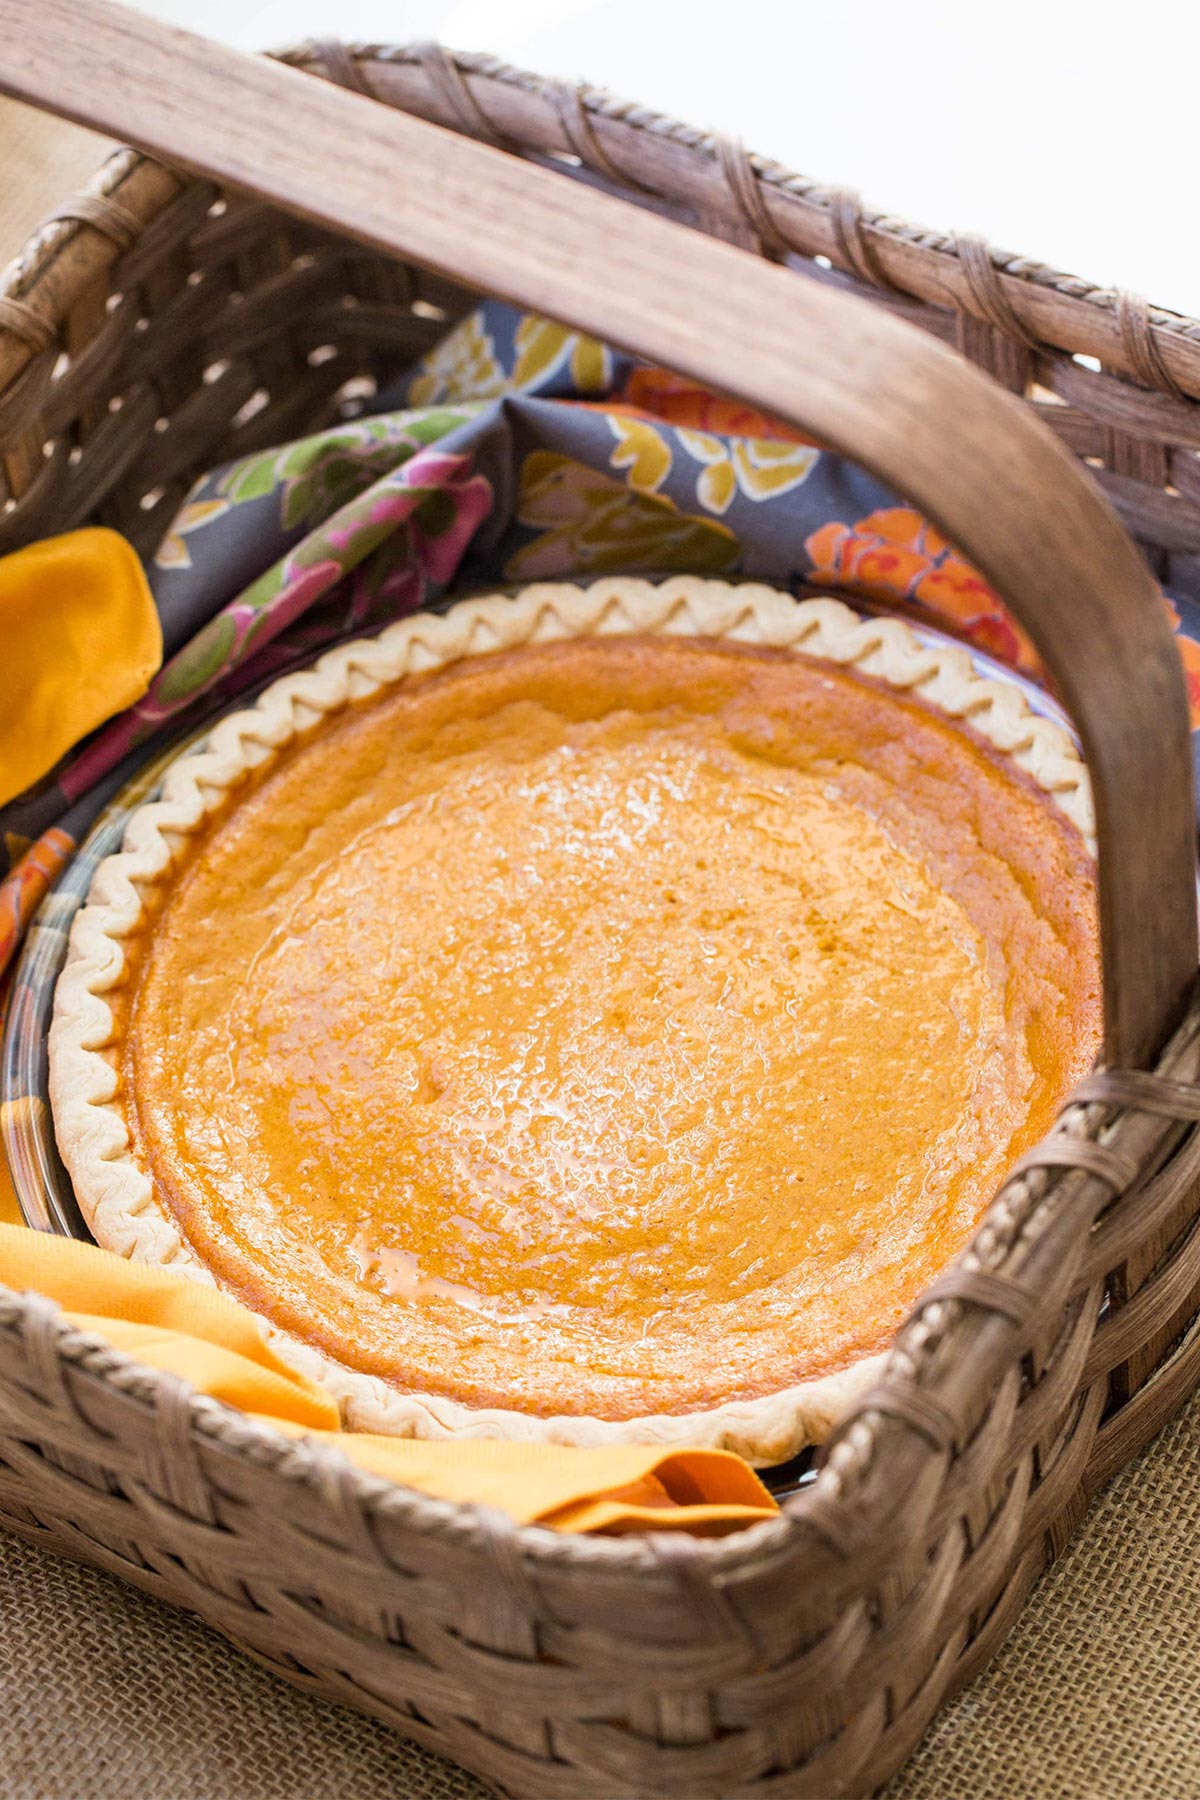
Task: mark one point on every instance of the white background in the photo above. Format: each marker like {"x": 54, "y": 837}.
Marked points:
{"x": 1065, "y": 130}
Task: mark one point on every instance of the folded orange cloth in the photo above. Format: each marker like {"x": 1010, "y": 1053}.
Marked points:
{"x": 81, "y": 640}
{"x": 10, "y": 1212}
{"x": 171, "y": 1322}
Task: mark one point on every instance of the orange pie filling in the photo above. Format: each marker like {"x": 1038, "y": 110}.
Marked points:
{"x": 612, "y": 1027}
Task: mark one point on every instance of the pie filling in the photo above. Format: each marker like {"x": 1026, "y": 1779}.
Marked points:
{"x": 613, "y": 1027}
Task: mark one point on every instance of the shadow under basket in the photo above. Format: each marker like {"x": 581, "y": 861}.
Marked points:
{"x": 157, "y": 327}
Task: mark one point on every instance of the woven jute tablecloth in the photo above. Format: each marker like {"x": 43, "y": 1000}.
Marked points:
{"x": 106, "y": 1695}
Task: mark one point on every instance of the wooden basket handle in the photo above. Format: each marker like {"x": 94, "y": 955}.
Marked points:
{"x": 974, "y": 459}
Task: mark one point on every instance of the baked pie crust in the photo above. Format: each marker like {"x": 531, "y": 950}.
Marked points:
{"x": 621, "y": 1224}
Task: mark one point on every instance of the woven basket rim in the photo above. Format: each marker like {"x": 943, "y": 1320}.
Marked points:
{"x": 21, "y": 274}
{"x": 605, "y": 103}
{"x": 1162, "y": 326}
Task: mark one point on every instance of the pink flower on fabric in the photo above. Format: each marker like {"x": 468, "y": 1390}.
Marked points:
{"x": 433, "y": 506}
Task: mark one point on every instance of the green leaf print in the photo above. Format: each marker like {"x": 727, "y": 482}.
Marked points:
{"x": 193, "y": 667}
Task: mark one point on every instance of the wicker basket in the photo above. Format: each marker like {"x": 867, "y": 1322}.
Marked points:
{"x": 154, "y": 328}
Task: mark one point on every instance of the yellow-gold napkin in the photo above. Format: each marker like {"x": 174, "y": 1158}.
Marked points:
{"x": 81, "y": 641}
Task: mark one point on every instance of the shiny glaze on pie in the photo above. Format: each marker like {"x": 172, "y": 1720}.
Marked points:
{"x": 612, "y": 1027}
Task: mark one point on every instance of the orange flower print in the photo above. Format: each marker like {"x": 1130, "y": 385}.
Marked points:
{"x": 677, "y": 401}
{"x": 1189, "y": 656}
{"x": 895, "y": 554}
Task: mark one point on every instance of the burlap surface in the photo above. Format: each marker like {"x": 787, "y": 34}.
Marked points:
{"x": 105, "y": 1695}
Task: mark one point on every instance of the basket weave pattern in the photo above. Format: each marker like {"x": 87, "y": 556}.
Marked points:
{"x": 178, "y": 308}
{"x": 154, "y": 328}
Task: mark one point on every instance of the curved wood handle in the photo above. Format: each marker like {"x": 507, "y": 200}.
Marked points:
{"x": 972, "y": 457}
